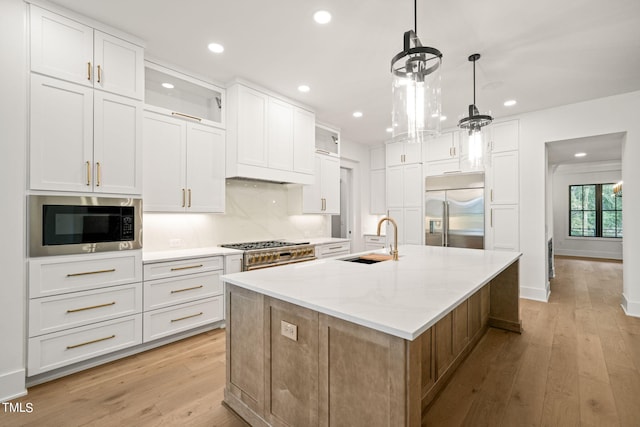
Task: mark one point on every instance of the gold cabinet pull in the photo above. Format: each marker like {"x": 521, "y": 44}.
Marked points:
{"x": 89, "y": 71}
{"x": 186, "y": 268}
{"x": 186, "y": 116}
{"x": 187, "y": 289}
{"x": 189, "y": 191}
{"x": 69, "y": 347}
{"x": 183, "y": 198}
{"x": 111, "y": 270}
{"x": 187, "y": 317}
{"x": 88, "y": 163}
{"x": 98, "y": 174}
{"x": 99, "y": 74}
{"x": 75, "y": 310}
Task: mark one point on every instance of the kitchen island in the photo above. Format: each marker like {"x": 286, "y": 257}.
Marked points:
{"x": 334, "y": 342}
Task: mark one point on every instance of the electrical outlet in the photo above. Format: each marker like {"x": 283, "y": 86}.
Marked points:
{"x": 289, "y": 330}
{"x": 175, "y": 243}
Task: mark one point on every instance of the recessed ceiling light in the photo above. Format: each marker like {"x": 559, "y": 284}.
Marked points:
{"x": 322, "y": 17}
{"x": 216, "y": 47}
{"x": 304, "y": 88}
{"x": 443, "y": 118}
{"x": 357, "y": 114}
{"x": 389, "y": 130}
{"x": 167, "y": 85}
{"x": 580, "y": 154}
{"x": 510, "y": 103}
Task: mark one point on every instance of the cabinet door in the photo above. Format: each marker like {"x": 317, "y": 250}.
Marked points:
{"x": 330, "y": 176}
{"x": 440, "y": 148}
{"x": 61, "y": 135}
{"x": 377, "y": 201}
{"x": 205, "y": 169}
{"x": 412, "y": 152}
{"x": 280, "y": 135}
{"x": 504, "y": 136}
{"x": 119, "y": 66}
{"x": 164, "y": 163}
{"x": 412, "y": 185}
{"x": 117, "y": 144}
{"x": 303, "y": 140}
{"x": 412, "y": 226}
{"x": 252, "y": 127}
{"x": 504, "y": 178}
{"x": 398, "y": 215}
{"x": 504, "y": 227}
{"x": 395, "y": 181}
{"x": 394, "y": 153}
{"x": 61, "y": 47}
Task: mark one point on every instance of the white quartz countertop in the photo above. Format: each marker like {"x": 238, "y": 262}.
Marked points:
{"x": 402, "y": 298}
{"x": 176, "y": 254}
{"x": 319, "y": 240}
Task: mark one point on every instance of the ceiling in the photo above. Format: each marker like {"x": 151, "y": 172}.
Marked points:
{"x": 543, "y": 53}
{"x": 598, "y": 148}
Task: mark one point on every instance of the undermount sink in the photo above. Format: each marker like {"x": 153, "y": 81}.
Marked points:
{"x": 369, "y": 259}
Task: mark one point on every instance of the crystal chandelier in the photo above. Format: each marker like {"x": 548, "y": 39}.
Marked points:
{"x": 416, "y": 88}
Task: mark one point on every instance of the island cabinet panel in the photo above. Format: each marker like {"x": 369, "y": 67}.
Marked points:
{"x": 444, "y": 344}
{"x": 460, "y": 331}
{"x": 475, "y": 313}
{"x": 504, "y": 310}
{"x": 291, "y": 365}
{"x": 362, "y": 376}
{"x": 245, "y": 348}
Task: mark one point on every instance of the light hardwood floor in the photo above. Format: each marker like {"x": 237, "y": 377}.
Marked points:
{"x": 576, "y": 363}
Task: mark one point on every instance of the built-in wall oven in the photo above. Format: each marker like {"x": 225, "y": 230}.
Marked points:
{"x": 63, "y": 225}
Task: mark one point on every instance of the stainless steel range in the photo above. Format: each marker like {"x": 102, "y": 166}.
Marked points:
{"x": 271, "y": 253}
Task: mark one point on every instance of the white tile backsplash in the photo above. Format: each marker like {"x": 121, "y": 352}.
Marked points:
{"x": 255, "y": 210}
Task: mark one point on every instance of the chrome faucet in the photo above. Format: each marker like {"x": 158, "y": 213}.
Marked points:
{"x": 394, "y": 247}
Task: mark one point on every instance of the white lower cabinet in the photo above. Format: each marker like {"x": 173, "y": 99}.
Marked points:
{"x": 409, "y": 222}
{"x": 373, "y": 242}
{"x": 82, "y": 306}
{"x": 167, "y": 321}
{"x": 333, "y": 249}
{"x": 59, "y": 349}
{"x": 182, "y": 294}
{"x": 504, "y": 228}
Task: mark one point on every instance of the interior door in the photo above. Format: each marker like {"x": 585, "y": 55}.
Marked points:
{"x": 434, "y": 218}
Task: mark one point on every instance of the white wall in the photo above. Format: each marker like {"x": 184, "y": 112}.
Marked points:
{"x": 13, "y": 138}
{"x": 597, "y": 117}
{"x": 577, "y": 174}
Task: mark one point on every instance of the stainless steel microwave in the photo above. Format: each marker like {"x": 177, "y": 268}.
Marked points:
{"x": 63, "y": 225}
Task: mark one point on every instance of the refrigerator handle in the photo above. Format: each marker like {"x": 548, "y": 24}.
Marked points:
{"x": 445, "y": 223}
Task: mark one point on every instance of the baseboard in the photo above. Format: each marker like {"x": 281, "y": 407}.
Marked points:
{"x": 588, "y": 254}
{"x": 631, "y": 308}
{"x": 12, "y": 385}
{"x": 535, "y": 294}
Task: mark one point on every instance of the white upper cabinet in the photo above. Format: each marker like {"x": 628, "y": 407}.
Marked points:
{"x": 377, "y": 157}
{"x": 268, "y": 138}
{"x": 68, "y": 50}
{"x": 399, "y": 153}
{"x": 504, "y": 178}
{"x": 81, "y": 140}
{"x": 183, "y": 166}
{"x": 327, "y": 140}
{"x": 504, "y": 136}
{"x": 323, "y": 196}
{"x": 443, "y": 147}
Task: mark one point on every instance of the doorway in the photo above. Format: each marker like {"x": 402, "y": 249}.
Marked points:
{"x": 341, "y": 225}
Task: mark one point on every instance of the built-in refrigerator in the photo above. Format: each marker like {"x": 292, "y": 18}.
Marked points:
{"x": 454, "y": 210}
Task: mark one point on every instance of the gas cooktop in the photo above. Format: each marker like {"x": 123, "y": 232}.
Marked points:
{"x": 267, "y": 244}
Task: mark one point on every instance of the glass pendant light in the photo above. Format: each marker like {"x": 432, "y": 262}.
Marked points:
{"x": 416, "y": 89}
{"x": 474, "y": 124}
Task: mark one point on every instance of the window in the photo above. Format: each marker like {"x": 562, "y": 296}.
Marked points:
{"x": 595, "y": 211}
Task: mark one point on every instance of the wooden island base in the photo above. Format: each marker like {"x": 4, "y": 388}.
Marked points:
{"x": 339, "y": 373}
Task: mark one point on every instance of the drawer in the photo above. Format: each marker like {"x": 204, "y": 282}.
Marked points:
{"x": 333, "y": 249}
{"x": 165, "y": 292}
{"x": 168, "y": 321}
{"x": 375, "y": 240}
{"x": 59, "y": 349}
{"x": 161, "y": 270}
{"x": 64, "y": 274}
{"x": 52, "y": 314}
